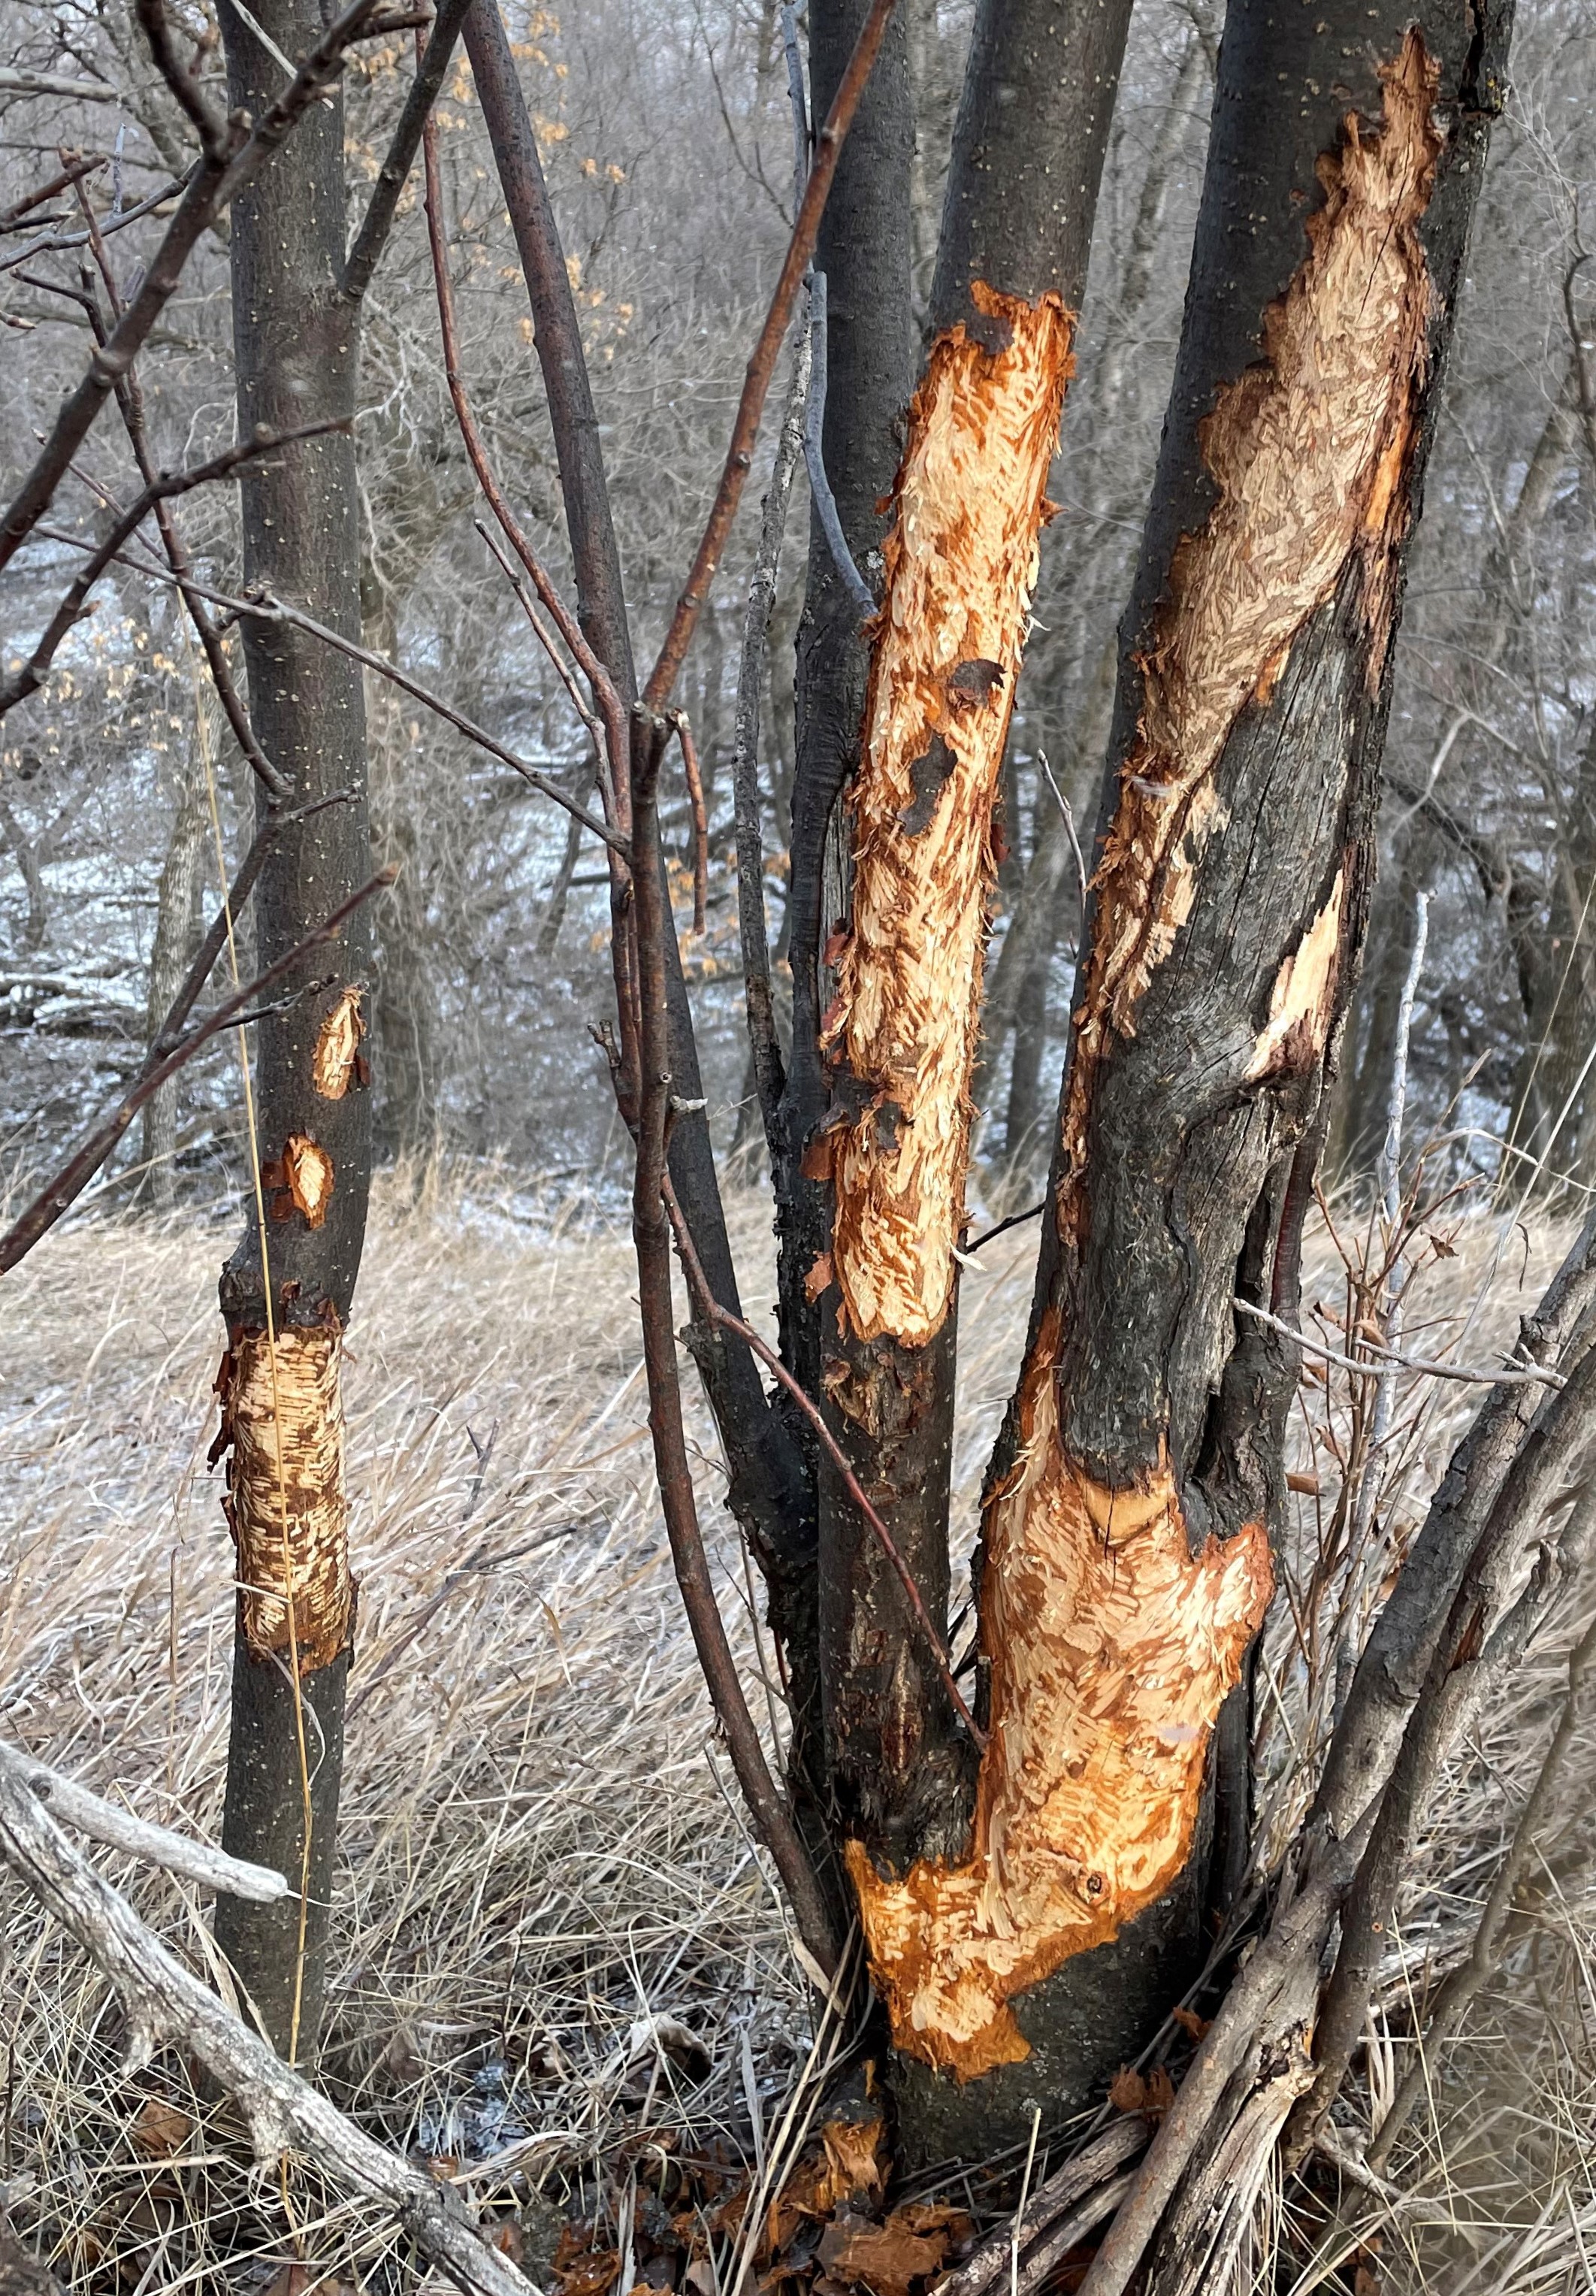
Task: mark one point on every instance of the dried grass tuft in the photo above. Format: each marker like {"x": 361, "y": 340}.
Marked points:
{"x": 542, "y": 1865}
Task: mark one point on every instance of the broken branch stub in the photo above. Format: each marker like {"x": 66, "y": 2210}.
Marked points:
{"x": 1112, "y": 1646}
{"x": 961, "y": 566}
{"x": 282, "y": 1428}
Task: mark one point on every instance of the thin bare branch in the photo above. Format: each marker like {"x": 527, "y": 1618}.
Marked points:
{"x": 700, "y": 819}
{"x": 82, "y": 91}
{"x": 265, "y": 607}
{"x": 711, "y": 1309}
{"x": 764, "y": 1042}
{"x": 219, "y": 175}
{"x": 366, "y": 251}
{"x": 70, "y": 612}
{"x": 1380, "y": 1361}
{"x": 60, "y": 1192}
{"x": 652, "y": 1235}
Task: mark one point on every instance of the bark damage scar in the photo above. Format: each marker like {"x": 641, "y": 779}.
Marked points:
{"x": 1302, "y": 1001}
{"x": 960, "y": 567}
{"x": 1112, "y": 1649}
{"x": 1309, "y": 451}
{"x": 336, "y": 1063}
{"x": 307, "y": 1175}
{"x": 283, "y": 1427}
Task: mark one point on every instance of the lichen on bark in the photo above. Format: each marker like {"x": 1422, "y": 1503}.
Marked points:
{"x": 961, "y": 566}
{"x": 283, "y": 1430}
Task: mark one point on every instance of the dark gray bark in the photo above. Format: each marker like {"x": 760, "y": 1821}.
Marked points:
{"x": 296, "y": 342}
{"x": 1188, "y": 1135}
{"x": 871, "y": 360}
{"x": 1039, "y": 85}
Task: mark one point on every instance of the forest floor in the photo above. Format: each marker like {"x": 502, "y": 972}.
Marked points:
{"x": 557, "y": 1958}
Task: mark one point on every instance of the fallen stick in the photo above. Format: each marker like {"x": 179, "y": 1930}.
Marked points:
{"x": 157, "y": 1845}
{"x": 166, "y": 2007}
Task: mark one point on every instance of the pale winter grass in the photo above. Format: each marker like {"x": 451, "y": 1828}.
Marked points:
{"x": 540, "y": 1849}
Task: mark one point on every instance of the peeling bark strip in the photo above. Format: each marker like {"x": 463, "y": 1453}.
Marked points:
{"x": 1308, "y": 451}
{"x": 1112, "y": 1649}
{"x": 282, "y": 1424}
{"x": 960, "y": 567}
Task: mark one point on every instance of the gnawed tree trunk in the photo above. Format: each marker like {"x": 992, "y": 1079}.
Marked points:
{"x": 871, "y": 360}
{"x": 296, "y": 340}
{"x": 1125, "y": 1562}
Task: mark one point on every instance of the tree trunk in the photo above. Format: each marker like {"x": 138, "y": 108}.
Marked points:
{"x": 287, "y": 1291}
{"x": 1125, "y": 1564}
{"x": 900, "y": 1035}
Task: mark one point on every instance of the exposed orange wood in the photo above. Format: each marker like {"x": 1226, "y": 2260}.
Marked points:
{"x": 960, "y": 567}
{"x": 282, "y": 1418}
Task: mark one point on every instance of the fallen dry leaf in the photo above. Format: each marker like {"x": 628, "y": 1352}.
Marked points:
{"x": 884, "y": 2258}
{"x": 160, "y": 2131}
{"x": 1129, "y": 2092}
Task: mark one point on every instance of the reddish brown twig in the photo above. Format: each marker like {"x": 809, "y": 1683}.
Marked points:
{"x": 652, "y": 1235}
{"x": 700, "y": 818}
{"x": 70, "y": 174}
{"x": 605, "y": 693}
{"x": 614, "y": 750}
{"x": 762, "y": 365}
{"x": 712, "y": 1310}
{"x": 66, "y": 1184}
{"x": 431, "y": 62}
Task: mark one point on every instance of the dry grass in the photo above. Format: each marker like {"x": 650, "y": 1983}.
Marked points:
{"x": 539, "y": 1851}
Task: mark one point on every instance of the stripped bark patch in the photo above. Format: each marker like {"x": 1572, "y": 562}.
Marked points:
{"x": 1309, "y": 453}
{"x": 283, "y": 1426}
{"x": 336, "y": 1063}
{"x": 1112, "y": 1649}
{"x": 1301, "y": 1000}
{"x": 960, "y": 567}
{"x": 308, "y": 1174}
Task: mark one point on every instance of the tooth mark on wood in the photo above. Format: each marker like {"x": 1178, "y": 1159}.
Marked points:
{"x": 961, "y": 564}
{"x": 283, "y": 1427}
{"x": 336, "y": 1061}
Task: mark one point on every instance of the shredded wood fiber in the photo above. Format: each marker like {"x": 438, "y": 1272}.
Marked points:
{"x": 285, "y": 1504}
{"x": 960, "y": 567}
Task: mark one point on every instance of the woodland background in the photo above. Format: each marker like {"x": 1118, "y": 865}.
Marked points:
{"x": 553, "y": 1931}
{"x": 666, "y": 138}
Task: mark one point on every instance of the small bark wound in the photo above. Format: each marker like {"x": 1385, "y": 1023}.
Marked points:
{"x": 1111, "y": 1646}
{"x": 337, "y": 1061}
{"x": 282, "y": 1428}
{"x": 308, "y": 1175}
{"x": 960, "y": 567}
